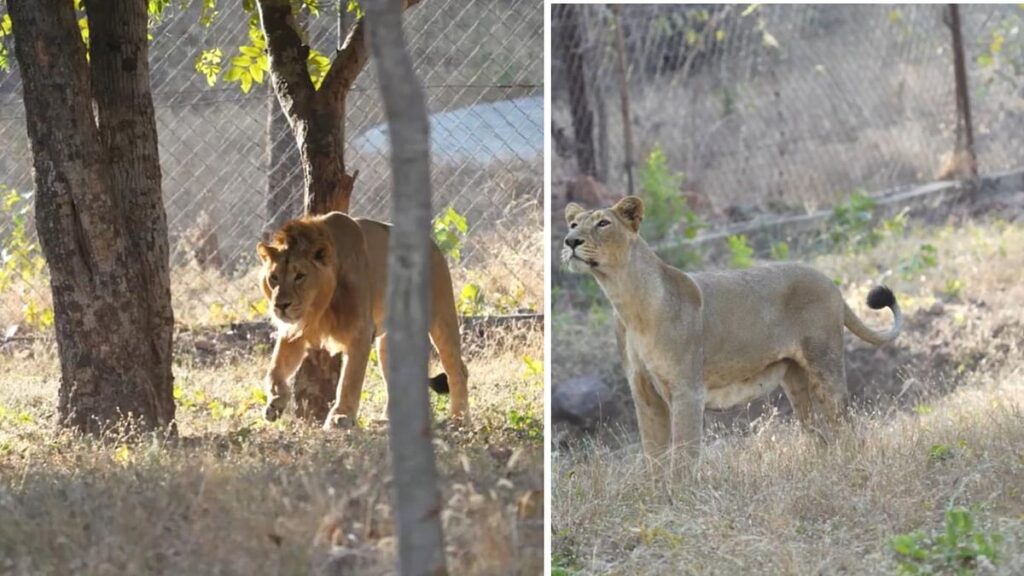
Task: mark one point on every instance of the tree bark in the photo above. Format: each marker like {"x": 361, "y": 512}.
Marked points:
{"x": 99, "y": 211}
{"x": 418, "y": 501}
{"x": 317, "y": 120}
{"x": 570, "y": 47}
{"x": 284, "y": 169}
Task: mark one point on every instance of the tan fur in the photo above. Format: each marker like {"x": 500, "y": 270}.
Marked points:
{"x": 331, "y": 271}
{"x": 714, "y": 339}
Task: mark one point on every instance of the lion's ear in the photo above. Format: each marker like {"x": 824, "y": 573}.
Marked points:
{"x": 266, "y": 252}
{"x": 572, "y": 210}
{"x": 631, "y": 209}
{"x": 321, "y": 253}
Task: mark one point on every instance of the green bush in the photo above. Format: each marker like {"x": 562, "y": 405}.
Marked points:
{"x": 741, "y": 255}
{"x": 956, "y": 550}
{"x": 665, "y": 207}
{"x": 449, "y": 233}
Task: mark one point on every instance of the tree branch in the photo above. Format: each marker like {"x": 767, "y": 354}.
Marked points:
{"x": 350, "y": 60}
{"x": 288, "y": 57}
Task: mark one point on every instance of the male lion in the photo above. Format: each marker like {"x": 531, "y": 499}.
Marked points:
{"x": 325, "y": 278}
{"x": 715, "y": 339}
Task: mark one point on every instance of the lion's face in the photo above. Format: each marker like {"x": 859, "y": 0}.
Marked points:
{"x": 297, "y": 276}
{"x": 600, "y": 239}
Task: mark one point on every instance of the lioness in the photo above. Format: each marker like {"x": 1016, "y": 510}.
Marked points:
{"x": 715, "y": 339}
{"x": 325, "y": 278}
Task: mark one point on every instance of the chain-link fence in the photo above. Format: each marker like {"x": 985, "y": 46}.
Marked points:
{"x": 780, "y": 108}
{"x": 224, "y": 154}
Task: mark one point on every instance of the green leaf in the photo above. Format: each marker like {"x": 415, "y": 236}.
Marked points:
{"x": 985, "y": 60}
{"x": 234, "y": 74}
{"x": 997, "y": 43}
{"x": 251, "y": 51}
{"x": 208, "y": 64}
{"x": 354, "y": 7}
{"x": 5, "y": 25}
{"x": 750, "y": 9}
{"x": 246, "y": 83}
{"x": 256, "y": 72}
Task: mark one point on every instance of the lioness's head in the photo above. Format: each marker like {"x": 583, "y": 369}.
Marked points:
{"x": 298, "y": 276}
{"x": 600, "y": 239}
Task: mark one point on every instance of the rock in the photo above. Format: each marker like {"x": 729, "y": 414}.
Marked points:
{"x": 582, "y": 401}
{"x": 590, "y": 193}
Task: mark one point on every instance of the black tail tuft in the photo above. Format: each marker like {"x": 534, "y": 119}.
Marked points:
{"x": 439, "y": 383}
{"x": 881, "y": 297}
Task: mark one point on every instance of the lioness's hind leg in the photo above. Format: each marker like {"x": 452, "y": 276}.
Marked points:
{"x": 827, "y": 376}
{"x": 797, "y": 388}
{"x": 444, "y": 334}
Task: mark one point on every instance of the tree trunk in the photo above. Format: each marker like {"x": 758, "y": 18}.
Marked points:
{"x": 99, "y": 211}
{"x": 317, "y": 120}
{"x": 570, "y": 47}
{"x": 284, "y": 169}
{"x": 418, "y": 501}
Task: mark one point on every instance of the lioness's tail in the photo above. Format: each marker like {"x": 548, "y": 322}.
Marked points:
{"x": 879, "y": 297}
{"x": 439, "y": 383}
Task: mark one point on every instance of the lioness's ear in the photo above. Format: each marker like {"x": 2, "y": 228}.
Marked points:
{"x": 631, "y": 209}
{"x": 265, "y": 251}
{"x": 572, "y": 210}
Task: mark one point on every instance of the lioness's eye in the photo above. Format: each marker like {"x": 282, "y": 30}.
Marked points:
{"x": 573, "y": 225}
{"x": 300, "y": 277}
{"x": 273, "y": 278}
{"x": 603, "y": 223}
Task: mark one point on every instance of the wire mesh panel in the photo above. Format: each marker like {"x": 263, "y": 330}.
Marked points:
{"x": 780, "y": 108}
{"x": 231, "y": 171}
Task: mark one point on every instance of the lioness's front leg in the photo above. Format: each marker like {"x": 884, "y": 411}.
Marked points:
{"x": 652, "y": 415}
{"x": 287, "y": 358}
{"x": 350, "y": 385}
{"x": 687, "y": 409}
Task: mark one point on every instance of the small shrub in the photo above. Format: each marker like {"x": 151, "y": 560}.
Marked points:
{"x": 780, "y": 251}
{"x": 665, "y": 207}
{"x": 940, "y": 452}
{"x": 927, "y": 256}
{"x": 741, "y": 255}
{"x": 953, "y": 289}
{"x": 851, "y": 224}
{"x": 471, "y": 300}
{"x": 449, "y": 232}
{"x": 957, "y": 550}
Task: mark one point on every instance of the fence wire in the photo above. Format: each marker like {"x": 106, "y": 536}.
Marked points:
{"x": 231, "y": 172}
{"x": 776, "y": 108}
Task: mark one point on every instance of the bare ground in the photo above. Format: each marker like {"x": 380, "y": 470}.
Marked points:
{"x": 235, "y": 495}
{"x": 767, "y": 499}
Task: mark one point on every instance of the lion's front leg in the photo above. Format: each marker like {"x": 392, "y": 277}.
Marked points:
{"x": 287, "y": 358}
{"x": 350, "y": 385}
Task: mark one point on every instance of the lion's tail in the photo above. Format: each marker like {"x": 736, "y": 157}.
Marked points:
{"x": 879, "y": 297}
{"x": 439, "y": 383}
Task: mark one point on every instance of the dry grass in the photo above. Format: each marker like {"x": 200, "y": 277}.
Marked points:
{"x": 235, "y": 495}
{"x": 769, "y": 500}
{"x": 776, "y": 503}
